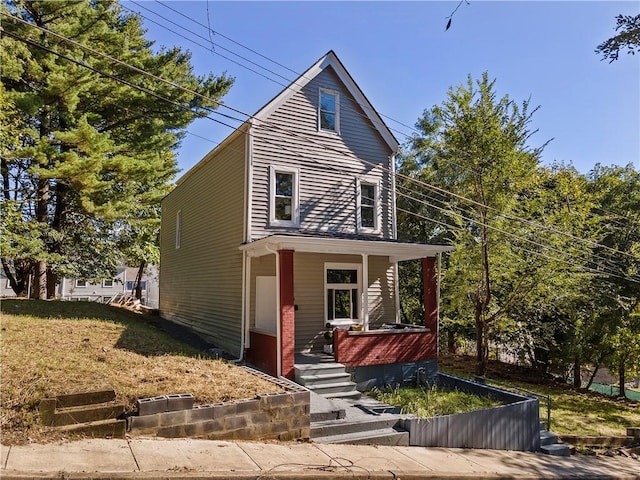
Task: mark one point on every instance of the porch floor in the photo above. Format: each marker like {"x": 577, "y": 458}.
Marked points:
{"x": 313, "y": 358}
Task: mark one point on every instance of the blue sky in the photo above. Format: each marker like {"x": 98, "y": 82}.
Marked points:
{"x": 403, "y": 59}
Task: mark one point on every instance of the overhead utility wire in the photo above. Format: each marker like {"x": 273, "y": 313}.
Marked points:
{"x": 245, "y": 114}
{"x": 511, "y": 217}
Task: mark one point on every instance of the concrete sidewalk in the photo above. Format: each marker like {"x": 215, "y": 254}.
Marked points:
{"x": 190, "y": 458}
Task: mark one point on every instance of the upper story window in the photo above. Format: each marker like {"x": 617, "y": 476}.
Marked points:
{"x": 329, "y": 111}
{"x": 107, "y": 283}
{"x": 283, "y": 208}
{"x": 368, "y": 207}
{"x": 178, "y": 228}
{"x": 81, "y": 283}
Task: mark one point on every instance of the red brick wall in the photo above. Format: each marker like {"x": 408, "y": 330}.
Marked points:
{"x": 287, "y": 314}
{"x": 263, "y": 352}
{"x": 378, "y": 348}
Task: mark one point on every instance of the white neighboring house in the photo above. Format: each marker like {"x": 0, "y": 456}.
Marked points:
{"x": 77, "y": 289}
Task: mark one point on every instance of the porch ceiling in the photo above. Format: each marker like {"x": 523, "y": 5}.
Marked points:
{"x": 396, "y": 251}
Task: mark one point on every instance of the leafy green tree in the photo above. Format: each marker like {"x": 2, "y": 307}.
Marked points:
{"x": 628, "y": 36}
{"x": 93, "y": 153}
{"x": 475, "y": 145}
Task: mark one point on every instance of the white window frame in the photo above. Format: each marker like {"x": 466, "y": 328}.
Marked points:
{"x": 295, "y": 199}
{"x": 77, "y": 283}
{"x": 342, "y": 266}
{"x": 377, "y": 214}
{"x": 337, "y": 112}
{"x": 105, "y": 283}
{"x": 178, "y": 229}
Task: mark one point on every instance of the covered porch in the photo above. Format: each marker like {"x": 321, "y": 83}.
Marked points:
{"x": 299, "y": 287}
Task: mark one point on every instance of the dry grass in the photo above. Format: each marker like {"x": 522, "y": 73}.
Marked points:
{"x": 63, "y": 347}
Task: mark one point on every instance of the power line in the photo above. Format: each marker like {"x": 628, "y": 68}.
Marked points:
{"x": 265, "y": 123}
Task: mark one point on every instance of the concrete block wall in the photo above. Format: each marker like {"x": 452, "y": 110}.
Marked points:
{"x": 282, "y": 416}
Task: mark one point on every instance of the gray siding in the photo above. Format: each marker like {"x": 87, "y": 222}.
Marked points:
{"x": 328, "y": 169}
{"x": 201, "y": 282}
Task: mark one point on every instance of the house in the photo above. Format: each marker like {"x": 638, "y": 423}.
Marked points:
{"x": 289, "y": 225}
{"x": 79, "y": 289}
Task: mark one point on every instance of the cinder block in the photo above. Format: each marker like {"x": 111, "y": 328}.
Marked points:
{"x": 258, "y": 418}
{"x": 146, "y": 421}
{"x": 180, "y": 401}
{"x": 173, "y": 418}
{"x": 633, "y": 432}
{"x": 224, "y": 410}
{"x": 301, "y": 398}
{"x": 47, "y": 410}
{"x": 247, "y": 406}
{"x": 175, "y": 431}
{"x": 281, "y": 400}
{"x": 149, "y": 406}
{"x": 234, "y": 422}
{"x": 212, "y": 426}
{"x": 200, "y": 413}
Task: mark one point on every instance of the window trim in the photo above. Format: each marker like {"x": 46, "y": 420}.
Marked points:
{"x": 295, "y": 198}
{"x": 104, "y": 283}
{"x": 78, "y": 280}
{"x": 377, "y": 220}
{"x": 342, "y": 266}
{"x": 178, "y": 229}
{"x": 336, "y": 94}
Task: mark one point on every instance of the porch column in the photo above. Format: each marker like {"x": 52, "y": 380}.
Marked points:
{"x": 287, "y": 314}
{"x": 430, "y": 293}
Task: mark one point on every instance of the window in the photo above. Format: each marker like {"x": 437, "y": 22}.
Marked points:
{"x": 178, "y": 228}
{"x": 131, "y": 285}
{"x": 342, "y": 290}
{"x": 329, "y": 111}
{"x": 284, "y": 197}
{"x": 368, "y": 207}
{"x": 107, "y": 283}
{"x": 81, "y": 283}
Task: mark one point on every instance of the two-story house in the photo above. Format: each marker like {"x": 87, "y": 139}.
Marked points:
{"x": 288, "y": 225}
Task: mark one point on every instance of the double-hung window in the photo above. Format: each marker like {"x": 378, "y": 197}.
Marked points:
{"x": 368, "y": 206}
{"x": 284, "y": 211}
{"x": 329, "y": 111}
{"x": 81, "y": 283}
{"x": 342, "y": 290}
{"x": 107, "y": 283}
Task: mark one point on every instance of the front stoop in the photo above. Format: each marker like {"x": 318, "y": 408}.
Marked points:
{"x": 93, "y": 413}
{"x": 551, "y": 445}
{"x": 328, "y": 379}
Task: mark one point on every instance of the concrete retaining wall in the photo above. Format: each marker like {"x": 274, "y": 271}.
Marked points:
{"x": 392, "y": 374}
{"x": 281, "y": 416}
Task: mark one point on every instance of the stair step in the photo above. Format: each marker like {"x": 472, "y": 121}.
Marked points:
{"x": 84, "y": 414}
{"x": 330, "y": 388}
{"x": 103, "y": 428}
{"x": 353, "y": 395}
{"x": 556, "y": 449}
{"x": 85, "y": 398}
{"x": 383, "y": 436}
{"x": 547, "y": 438}
{"x": 304, "y": 369}
{"x": 340, "y": 427}
{"x": 324, "y": 379}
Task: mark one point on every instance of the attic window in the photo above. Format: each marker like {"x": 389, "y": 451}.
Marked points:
{"x": 329, "y": 111}
{"x": 284, "y": 211}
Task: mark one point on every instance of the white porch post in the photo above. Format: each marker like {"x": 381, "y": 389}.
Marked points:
{"x": 365, "y": 291}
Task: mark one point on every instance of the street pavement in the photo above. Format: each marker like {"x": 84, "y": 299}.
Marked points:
{"x": 146, "y": 458}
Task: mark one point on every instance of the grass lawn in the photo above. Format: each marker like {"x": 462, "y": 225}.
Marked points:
{"x": 430, "y": 402}
{"x": 573, "y": 411}
{"x": 50, "y": 347}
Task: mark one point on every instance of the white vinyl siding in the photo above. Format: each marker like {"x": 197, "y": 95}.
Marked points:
{"x": 328, "y": 164}
{"x": 201, "y": 282}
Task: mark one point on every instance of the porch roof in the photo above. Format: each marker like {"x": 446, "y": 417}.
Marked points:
{"x": 395, "y": 250}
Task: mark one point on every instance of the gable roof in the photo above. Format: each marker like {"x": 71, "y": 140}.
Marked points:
{"x": 331, "y": 59}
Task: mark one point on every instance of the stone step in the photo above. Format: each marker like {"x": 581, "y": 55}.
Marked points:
{"x": 556, "y": 449}
{"x": 303, "y": 369}
{"x": 331, "y": 388}
{"x": 100, "y": 429}
{"x": 384, "y": 436}
{"x": 548, "y": 438}
{"x": 85, "y": 414}
{"x": 341, "y": 427}
{"x": 85, "y": 398}
{"x": 324, "y": 379}
{"x": 351, "y": 395}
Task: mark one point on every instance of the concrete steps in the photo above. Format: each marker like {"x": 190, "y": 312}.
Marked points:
{"x": 328, "y": 379}
{"x": 384, "y": 436}
{"x": 93, "y": 413}
{"x": 550, "y": 444}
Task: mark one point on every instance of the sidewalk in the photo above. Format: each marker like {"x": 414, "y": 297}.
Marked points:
{"x": 189, "y": 458}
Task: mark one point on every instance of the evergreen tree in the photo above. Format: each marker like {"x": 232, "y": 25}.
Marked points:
{"x": 91, "y": 156}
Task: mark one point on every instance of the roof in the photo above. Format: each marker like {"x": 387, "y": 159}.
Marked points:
{"x": 262, "y": 115}
{"x": 396, "y": 251}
